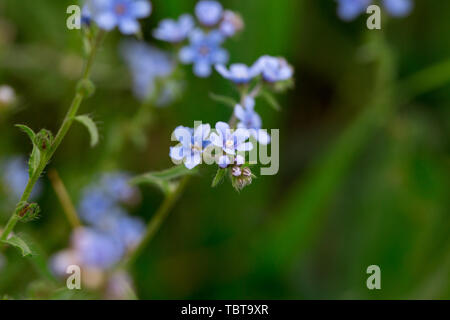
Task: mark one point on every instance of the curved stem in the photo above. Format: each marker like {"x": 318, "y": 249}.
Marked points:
{"x": 157, "y": 220}
{"x": 67, "y": 123}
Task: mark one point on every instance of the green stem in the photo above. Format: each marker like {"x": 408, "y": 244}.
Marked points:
{"x": 67, "y": 123}
{"x": 157, "y": 220}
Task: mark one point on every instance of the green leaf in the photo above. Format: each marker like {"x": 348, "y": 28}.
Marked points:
{"x": 221, "y": 173}
{"x": 228, "y": 101}
{"x": 271, "y": 100}
{"x": 162, "y": 179}
{"x": 35, "y": 158}
{"x": 19, "y": 243}
{"x": 90, "y": 126}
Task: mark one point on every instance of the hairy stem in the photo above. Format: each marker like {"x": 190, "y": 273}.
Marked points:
{"x": 67, "y": 123}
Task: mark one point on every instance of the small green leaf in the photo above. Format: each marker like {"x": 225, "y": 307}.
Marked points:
{"x": 27, "y": 130}
{"x": 19, "y": 243}
{"x": 162, "y": 179}
{"x": 90, "y": 126}
{"x": 223, "y": 99}
{"x": 271, "y": 100}
{"x": 221, "y": 173}
{"x": 35, "y": 158}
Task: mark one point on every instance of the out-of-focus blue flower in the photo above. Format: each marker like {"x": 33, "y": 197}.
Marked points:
{"x": 208, "y": 12}
{"x": 192, "y": 144}
{"x": 123, "y": 14}
{"x": 204, "y": 51}
{"x": 15, "y": 177}
{"x": 95, "y": 205}
{"x": 61, "y": 260}
{"x": 117, "y": 187}
{"x": 398, "y": 8}
{"x": 128, "y": 229}
{"x": 230, "y": 141}
{"x": 97, "y": 249}
{"x": 174, "y": 31}
{"x": 350, "y": 9}
{"x": 251, "y": 121}
{"x": 274, "y": 69}
{"x": 231, "y": 23}
{"x": 86, "y": 15}
{"x": 147, "y": 64}
{"x": 239, "y": 73}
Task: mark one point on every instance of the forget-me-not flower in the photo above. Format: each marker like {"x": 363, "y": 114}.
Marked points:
{"x": 274, "y": 69}
{"x": 239, "y": 73}
{"x": 117, "y": 187}
{"x": 208, "y": 12}
{"x": 97, "y": 249}
{"x": 95, "y": 204}
{"x": 174, "y": 31}
{"x": 231, "y": 23}
{"x": 204, "y": 51}
{"x": 398, "y": 8}
{"x": 147, "y": 64}
{"x": 251, "y": 121}
{"x": 192, "y": 145}
{"x": 350, "y": 9}
{"x": 123, "y": 14}
{"x": 230, "y": 141}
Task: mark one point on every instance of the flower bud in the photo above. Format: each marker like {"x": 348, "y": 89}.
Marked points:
{"x": 236, "y": 171}
{"x": 242, "y": 180}
{"x": 27, "y": 211}
{"x": 44, "y": 139}
{"x": 86, "y": 87}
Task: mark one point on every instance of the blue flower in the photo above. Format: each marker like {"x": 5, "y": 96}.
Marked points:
{"x": 239, "y": 73}
{"x": 209, "y": 13}
{"x": 97, "y": 249}
{"x": 86, "y": 15}
{"x": 147, "y": 64}
{"x": 251, "y": 121}
{"x": 121, "y": 13}
{"x": 174, "y": 31}
{"x": 350, "y": 9}
{"x": 231, "y": 23}
{"x": 274, "y": 69}
{"x": 398, "y": 8}
{"x": 15, "y": 177}
{"x": 117, "y": 187}
{"x": 129, "y": 230}
{"x": 204, "y": 51}
{"x": 230, "y": 142}
{"x": 95, "y": 205}
{"x": 192, "y": 144}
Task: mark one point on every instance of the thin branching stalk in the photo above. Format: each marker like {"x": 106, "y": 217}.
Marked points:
{"x": 67, "y": 123}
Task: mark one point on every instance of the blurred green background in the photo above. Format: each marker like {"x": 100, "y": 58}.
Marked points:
{"x": 364, "y": 173}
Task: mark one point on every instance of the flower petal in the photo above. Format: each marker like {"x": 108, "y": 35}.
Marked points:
{"x": 176, "y": 153}
{"x": 106, "y": 21}
{"x": 224, "y": 161}
{"x": 184, "y": 135}
{"x": 141, "y": 8}
{"x": 247, "y": 146}
{"x": 128, "y": 26}
{"x": 193, "y": 160}
{"x": 202, "y": 69}
{"x": 239, "y": 112}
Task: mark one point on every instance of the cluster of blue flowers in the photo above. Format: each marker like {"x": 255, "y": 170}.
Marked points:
{"x": 231, "y": 140}
{"x": 204, "y": 49}
{"x": 350, "y": 9}
{"x": 110, "y": 233}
